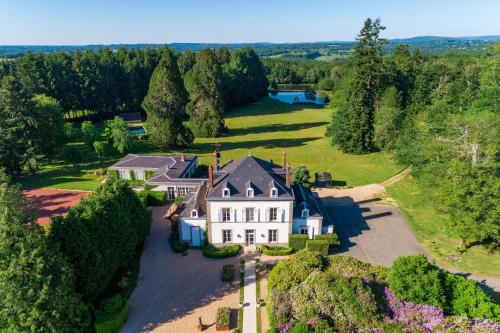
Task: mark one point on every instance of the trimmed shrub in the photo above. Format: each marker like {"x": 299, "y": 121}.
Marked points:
{"x": 297, "y": 242}
{"x": 227, "y": 273}
{"x": 112, "y": 315}
{"x": 352, "y": 267}
{"x": 465, "y": 297}
{"x": 100, "y": 235}
{"x": 291, "y": 272}
{"x": 276, "y": 250}
{"x": 223, "y": 317}
{"x": 332, "y": 239}
{"x": 414, "y": 279}
{"x": 175, "y": 244}
{"x": 152, "y": 198}
{"x": 321, "y": 246}
{"x": 210, "y": 251}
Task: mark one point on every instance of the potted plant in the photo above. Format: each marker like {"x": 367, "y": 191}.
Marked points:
{"x": 223, "y": 320}
{"x": 227, "y": 273}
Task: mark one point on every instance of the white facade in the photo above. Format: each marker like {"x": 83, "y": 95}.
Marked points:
{"x": 240, "y": 233}
{"x": 310, "y": 226}
{"x": 262, "y": 211}
{"x": 192, "y": 230}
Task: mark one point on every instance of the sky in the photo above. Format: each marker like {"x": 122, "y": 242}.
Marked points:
{"x": 78, "y": 22}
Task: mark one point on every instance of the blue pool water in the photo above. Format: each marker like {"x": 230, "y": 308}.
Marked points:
{"x": 293, "y": 97}
{"x": 137, "y": 130}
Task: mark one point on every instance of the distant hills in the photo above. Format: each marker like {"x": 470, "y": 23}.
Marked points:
{"x": 328, "y": 50}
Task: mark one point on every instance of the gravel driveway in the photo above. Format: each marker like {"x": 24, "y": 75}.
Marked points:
{"x": 372, "y": 232}
{"x": 174, "y": 290}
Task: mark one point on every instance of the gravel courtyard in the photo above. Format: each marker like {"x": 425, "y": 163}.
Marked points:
{"x": 173, "y": 290}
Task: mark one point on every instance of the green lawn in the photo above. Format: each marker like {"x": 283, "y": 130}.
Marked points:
{"x": 418, "y": 207}
{"x": 267, "y": 128}
{"x": 264, "y": 129}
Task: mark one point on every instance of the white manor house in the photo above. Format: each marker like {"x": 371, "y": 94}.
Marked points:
{"x": 249, "y": 202}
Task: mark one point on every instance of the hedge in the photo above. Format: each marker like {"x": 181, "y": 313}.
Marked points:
{"x": 321, "y": 246}
{"x": 112, "y": 316}
{"x": 332, "y": 239}
{"x": 276, "y": 250}
{"x": 210, "y": 251}
{"x": 227, "y": 273}
{"x": 152, "y": 198}
{"x": 297, "y": 242}
{"x": 113, "y": 174}
{"x": 175, "y": 244}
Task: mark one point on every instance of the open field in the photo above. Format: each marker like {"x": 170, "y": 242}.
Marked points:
{"x": 264, "y": 129}
{"x": 418, "y": 207}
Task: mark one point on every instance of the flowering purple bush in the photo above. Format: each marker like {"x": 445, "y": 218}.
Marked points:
{"x": 284, "y": 328}
{"x": 484, "y": 325}
{"x": 413, "y": 316}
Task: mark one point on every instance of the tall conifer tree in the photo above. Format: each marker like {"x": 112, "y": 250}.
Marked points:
{"x": 164, "y": 105}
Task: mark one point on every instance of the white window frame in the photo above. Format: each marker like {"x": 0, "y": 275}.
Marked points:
{"x": 247, "y": 210}
{"x": 226, "y": 214}
{"x": 226, "y": 193}
{"x": 250, "y": 193}
{"x": 273, "y": 193}
{"x": 305, "y": 213}
{"x": 227, "y": 236}
{"x": 275, "y": 210}
{"x": 272, "y": 235}
{"x": 194, "y": 213}
{"x": 304, "y": 231}
{"x": 182, "y": 191}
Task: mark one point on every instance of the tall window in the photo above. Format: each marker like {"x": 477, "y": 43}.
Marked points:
{"x": 249, "y": 214}
{"x": 227, "y": 236}
{"x": 303, "y": 230}
{"x": 273, "y": 236}
{"x": 249, "y": 193}
{"x": 226, "y": 214}
{"x": 273, "y": 214}
{"x": 182, "y": 191}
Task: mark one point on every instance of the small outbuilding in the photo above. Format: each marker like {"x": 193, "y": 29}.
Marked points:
{"x": 323, "y": 179}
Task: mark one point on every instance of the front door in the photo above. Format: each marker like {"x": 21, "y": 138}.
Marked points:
{"x": 250, "y": 237}
{"x": 195, "y": 236}
{"x": 170, "y": 193}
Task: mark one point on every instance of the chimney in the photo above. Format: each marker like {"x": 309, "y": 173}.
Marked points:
{"x": 210, "y": 177}
{"x": 182, "y": 158}
{"x": 283, "y": 162}
{"x": 288, "y": 175}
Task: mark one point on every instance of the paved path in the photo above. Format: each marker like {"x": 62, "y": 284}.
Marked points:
{"x": 174, "y": 291}
{"x": 250, "y": 299}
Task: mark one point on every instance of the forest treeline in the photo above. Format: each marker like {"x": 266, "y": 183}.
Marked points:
{"x": 439, "y": 114}
{"x": 100, "y": 84}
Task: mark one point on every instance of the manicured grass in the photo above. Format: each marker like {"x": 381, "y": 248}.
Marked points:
{"x": 417, "y": 204}
{"x": 264, "y": 129}
{"x": 268, "y": 127}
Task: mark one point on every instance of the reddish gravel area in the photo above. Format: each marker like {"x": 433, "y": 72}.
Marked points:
{"x": 51, "y": 202}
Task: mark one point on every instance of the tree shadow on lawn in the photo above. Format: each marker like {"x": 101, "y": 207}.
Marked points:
{"x": 269, "y": 106}
{"x": 208, "y": 147}
{"x": 274, "y": 128}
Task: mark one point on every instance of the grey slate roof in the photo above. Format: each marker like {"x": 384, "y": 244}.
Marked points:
{"x": 304, "y": 198}
{"x": 261, "y": 174}
{"x": 168, "y": 169}
{"x": 195, "y": 200}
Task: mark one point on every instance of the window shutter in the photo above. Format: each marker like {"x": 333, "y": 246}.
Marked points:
{"x": 220, "y": 215}
{"x": 282, "y": 215}
{"x": 267, "y": 215}
{"x": 243, "y": 215}
{"x": 234, "y": 216}
{"x": 258, "y": 215}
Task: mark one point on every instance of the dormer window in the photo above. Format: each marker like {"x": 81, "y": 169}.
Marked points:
{"x": 226, "y": 193}
{"x": 274, "y": 192}
{"x": 305, "y": 213}
{"x": 249, "y": 192}
{"x": 194, "y": 213}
